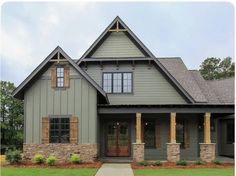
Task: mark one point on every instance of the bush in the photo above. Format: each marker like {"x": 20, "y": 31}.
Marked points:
{"x": 51, "y": 160}
{"x": 38, "y": 159}
{"x": 199, "y": 162}
{"x": 182, "y": 163}
{"x": 13, "y": 156}
{"x": 158, "y": 163}
{"x": 75, "y": 159}
{"x": 218, "y": 162}
{"x": 143, "y": 163}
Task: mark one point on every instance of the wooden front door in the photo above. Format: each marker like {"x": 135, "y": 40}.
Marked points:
{"x": 117, "y": 143}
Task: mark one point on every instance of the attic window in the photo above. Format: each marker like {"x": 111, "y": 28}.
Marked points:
{"x": 60, "y": 75}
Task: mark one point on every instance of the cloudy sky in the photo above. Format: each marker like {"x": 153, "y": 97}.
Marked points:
{"x": 193, "y": 31}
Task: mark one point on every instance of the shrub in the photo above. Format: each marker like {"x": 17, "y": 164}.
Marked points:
{"x": 218, "y": 162}
{"x": 143, "y": 163}
{"x": 199, "y": 162}
{"x": 75, "y": 159}
{"x": 13, "y": 156}
{"x": 158, "y": 163}
{"x": 38, "y": 159}
{"x": 51, "y": 160}
{"x": 181, "y": 163}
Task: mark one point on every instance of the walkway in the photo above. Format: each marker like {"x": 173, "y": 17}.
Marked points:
{"x": 110, "y": 169}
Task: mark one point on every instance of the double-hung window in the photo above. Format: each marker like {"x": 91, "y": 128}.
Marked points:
{"x": 60, "y": 76}
{"x": 117, "y": 82}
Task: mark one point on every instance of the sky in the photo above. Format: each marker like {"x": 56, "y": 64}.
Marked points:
{"x": 192, "y": 31}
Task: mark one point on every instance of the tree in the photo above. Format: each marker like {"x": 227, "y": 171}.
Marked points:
{"x": 12, "y": 118}
{"x": 215, "y": 68}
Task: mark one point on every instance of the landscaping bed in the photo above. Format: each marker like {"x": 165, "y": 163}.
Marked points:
{"x": 173, "y": 165}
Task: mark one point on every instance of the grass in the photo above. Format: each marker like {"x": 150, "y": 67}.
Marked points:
{"x": 47, "y": 172}
{"x": 185, "y": 172}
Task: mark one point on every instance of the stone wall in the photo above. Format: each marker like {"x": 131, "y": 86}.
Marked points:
{"x": 88, "y": 152}
{"x": 173, "y": 152}
{"x": 207, "y": 152}
{"x": 138, "y": 152}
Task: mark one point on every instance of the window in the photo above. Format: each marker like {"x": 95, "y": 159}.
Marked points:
{"x": 149, "y": 134}
{"x": 60, "y": 76}
{"x": 117, "y": 82}
{"x": 230, "y": 132}
{"x": 59, "y": 130}
{"x": 180, "y": 133}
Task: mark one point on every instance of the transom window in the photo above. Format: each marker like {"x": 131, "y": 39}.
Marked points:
{"x": 117, "y": 82}
{"x": 149, "y": 134}
{"x": 60, "y": 76}
{"x": 59, "y": 130}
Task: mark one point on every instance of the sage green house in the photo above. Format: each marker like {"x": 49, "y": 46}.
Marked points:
{"x": 119, "y": 102}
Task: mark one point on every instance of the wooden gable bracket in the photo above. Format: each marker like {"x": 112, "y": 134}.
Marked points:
{"x": 133, "y": 64}
{"x": 85, "y": 66}
{"x": 58, "y": 60}
{"x": 149, "y": 64}
{"x": 117, "y": 65}
{"x": 117, "y": 28}
{"x": 101, "y": 65}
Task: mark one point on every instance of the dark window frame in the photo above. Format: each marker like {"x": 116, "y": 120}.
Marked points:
{"x": 59, "y": 130}
{"x": 60, "y": 77}
{"x": 182, "y": 143}
{"x": 229, "y": 133}
{"x": 152, "y": 122}
{"x": 122, "y": 82}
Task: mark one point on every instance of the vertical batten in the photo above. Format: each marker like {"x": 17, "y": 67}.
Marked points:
{"x": 207, "y": 128}
{"x": 172, "y": 127}
{"x": 138, "y": 127}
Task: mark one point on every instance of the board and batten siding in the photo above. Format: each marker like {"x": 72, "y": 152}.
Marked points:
{"x": 80, "y": 100}
{"x": 117, "y": 44}
{"x": 149, "y": 85}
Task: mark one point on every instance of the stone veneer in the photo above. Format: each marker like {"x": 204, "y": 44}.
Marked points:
{"x": 173, "y": 152}
{"x": 88, "y": 152}
{"x": 138, "y": 152}
{"x": 207, "y": 152}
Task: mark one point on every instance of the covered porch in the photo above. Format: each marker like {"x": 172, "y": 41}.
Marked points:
{"x": 161, "y": 132}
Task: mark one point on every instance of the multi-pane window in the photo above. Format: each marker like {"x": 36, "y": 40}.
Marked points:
{"x": 60, "y": 76}
{"x": 230, "y": 131}
{"x": 59, "y": 130}
{"x": 117, "y": 82}
{"x": 180, "y": 133}
{"x": 149, "y": 134}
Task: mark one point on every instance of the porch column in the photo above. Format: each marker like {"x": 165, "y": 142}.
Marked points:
{"x": 138, "y": 147}
{"x": 207, "y": 149}
{"x": 173, "y": 148}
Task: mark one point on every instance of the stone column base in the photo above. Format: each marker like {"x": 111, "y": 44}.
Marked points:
{"x": 138, "y": 152}
{"x": 173, "y": 152}
{"x": 207, "y": 152}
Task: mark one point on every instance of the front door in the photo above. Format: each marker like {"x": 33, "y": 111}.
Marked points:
{"x": 117, "y": 139}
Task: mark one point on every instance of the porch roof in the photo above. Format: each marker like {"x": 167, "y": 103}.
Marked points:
{"x": 166, "y": 108}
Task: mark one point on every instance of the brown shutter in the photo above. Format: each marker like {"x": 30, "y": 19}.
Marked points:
{"x": 67, "y": 76}
{"x": 158, "y": 134}
{"x": 186, "y": 134}
{"x": 74, "y": 130}
{"x": 53, "y": 76}
{"x": 45, "y": 130}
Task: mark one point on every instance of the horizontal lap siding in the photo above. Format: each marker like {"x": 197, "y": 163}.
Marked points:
{"x": 150, "y": 86}
{"x": 41, "y": 100}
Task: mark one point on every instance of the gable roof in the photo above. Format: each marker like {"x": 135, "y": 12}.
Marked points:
{"x": 19, "y": 91}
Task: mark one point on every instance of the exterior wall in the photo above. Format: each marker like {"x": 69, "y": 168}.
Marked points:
{"x": 149, "y": 85}
{"x": 80, "y": 99}
{"x": 118, "y": 45}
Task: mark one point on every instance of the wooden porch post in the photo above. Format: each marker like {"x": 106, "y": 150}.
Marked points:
{"x": 138, "y": 128}
{"x": 207, "y": 128}
{"x": 172, "y": 127}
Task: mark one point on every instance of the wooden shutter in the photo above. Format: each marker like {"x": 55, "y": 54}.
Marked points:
{"x": 158, "y": 134}
{"x": 53, "y": 76}
{"x": 66, "y": 76}
{"x": 74, "y": 130}
{"x": 186, "y": 134}
{"x": 45, "y": 130}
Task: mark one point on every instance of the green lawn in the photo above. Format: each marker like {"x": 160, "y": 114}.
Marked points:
{"x": 185, "y": 172}
{"x": 47, "y": 172}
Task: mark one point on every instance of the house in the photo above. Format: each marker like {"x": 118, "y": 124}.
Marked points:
{"x": 119, "y": 101}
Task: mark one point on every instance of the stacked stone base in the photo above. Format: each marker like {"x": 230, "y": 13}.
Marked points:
{"x": 207, "y": 152}
{"x": 173, "y": 152}
{"x": 88, "y": 152}
{"x": 138, "y": 152}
